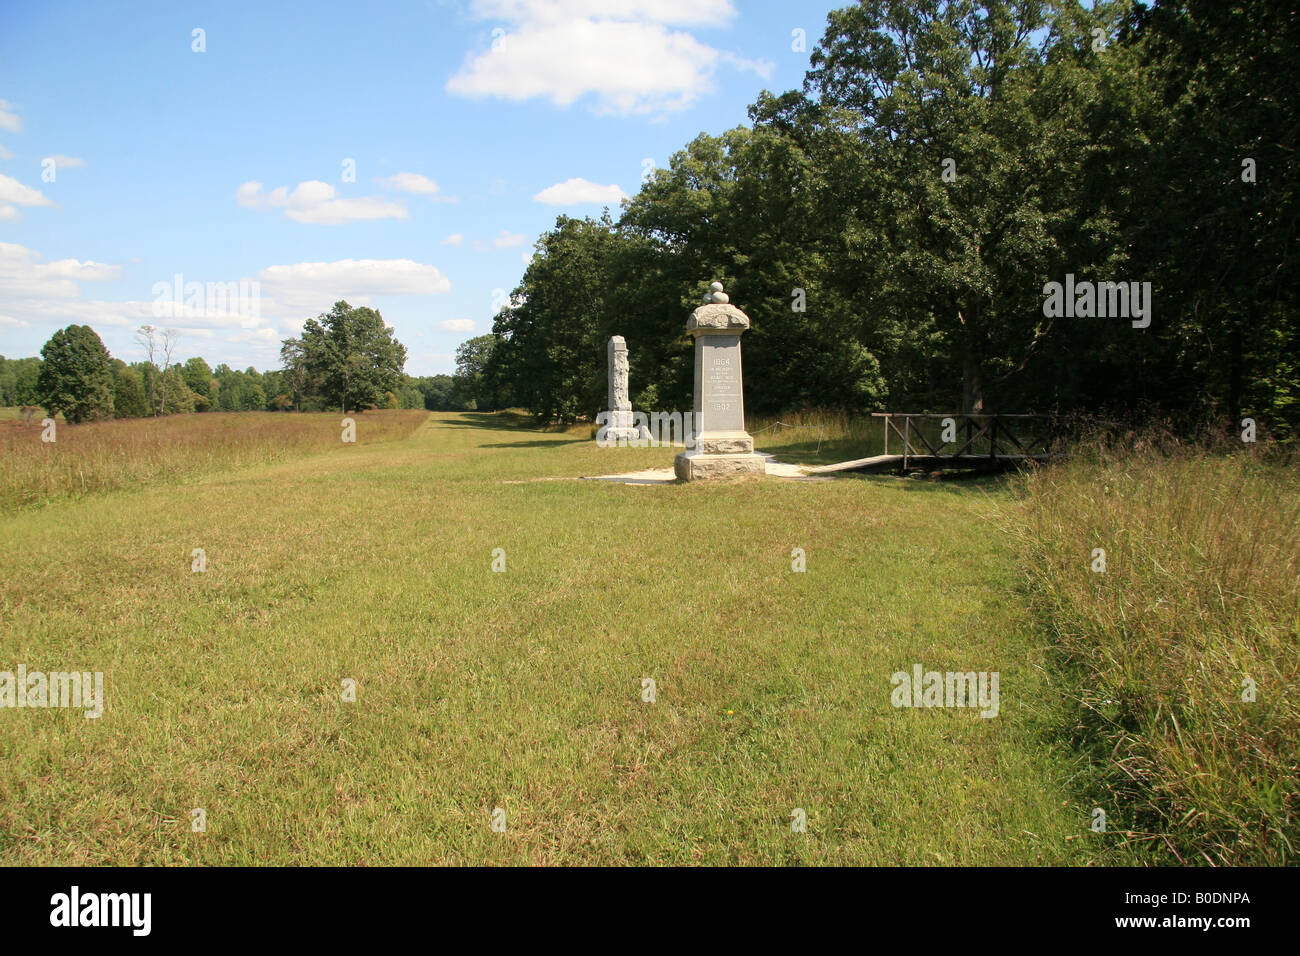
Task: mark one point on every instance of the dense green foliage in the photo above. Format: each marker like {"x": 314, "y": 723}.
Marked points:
{"x": 128, "y": 394}
{"x": 18, "y": 379}
{"x": 230, "y": 390}
{"x": 76, "y": 376}
{"x": 347, "y": 357}
{"x": 891, "y": 228}
{"x": 472, "y": 387}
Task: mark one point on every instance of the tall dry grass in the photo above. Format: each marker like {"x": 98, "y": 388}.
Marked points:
{"x": 103, "y": 456}
{"x": 1199, "y": 602}
{"x": 817, "y": 436}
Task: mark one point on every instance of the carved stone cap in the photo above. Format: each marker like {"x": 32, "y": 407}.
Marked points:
{"x": 717, "y": 316}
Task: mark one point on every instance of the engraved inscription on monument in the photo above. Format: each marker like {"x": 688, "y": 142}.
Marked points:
{"x": 724, "y": 405}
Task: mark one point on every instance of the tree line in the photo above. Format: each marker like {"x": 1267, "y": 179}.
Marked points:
{"x": 892, "y": 228}
{"x": 346, "y": 358}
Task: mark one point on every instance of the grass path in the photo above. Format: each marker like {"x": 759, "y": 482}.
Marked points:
{"x": 522, "y": 689}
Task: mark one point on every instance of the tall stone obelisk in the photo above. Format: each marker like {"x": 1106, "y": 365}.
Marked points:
{"x": 723, "y": 449}
{"x": 620, "y": 427}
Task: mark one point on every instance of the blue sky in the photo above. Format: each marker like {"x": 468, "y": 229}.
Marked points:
{"x": 471, "y": 124}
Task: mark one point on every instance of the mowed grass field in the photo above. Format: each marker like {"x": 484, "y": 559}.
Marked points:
{"x": 522, "y": 690}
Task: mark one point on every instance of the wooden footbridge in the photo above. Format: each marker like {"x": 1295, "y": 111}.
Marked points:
{"x": 976, "y": 442}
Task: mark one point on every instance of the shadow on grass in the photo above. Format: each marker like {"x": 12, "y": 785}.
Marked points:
{"x": 952, "y": 483}
{"x": 500, "y": 421}
{"x": 552, "y": 436}
{"x": 544, "y": 443}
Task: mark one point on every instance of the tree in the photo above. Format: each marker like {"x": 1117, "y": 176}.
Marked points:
{"x": 18, "y": 381}
{"x": 273, "y": 385}
{"x": 128, "y": 393}
{"x": 438, "y": 392}
{"x": 296, "y": 375}
{"x": 159, "y": 345}
{"x": 472, "y": 359}
{"x": 982, "y": 92}
{"x": 76, "y": 376}
{"x": 891, "y": 228}
{"x": 198, "y": 378}
{"x": 551, "y": 338}
{"x": 748, "y": 208}
{"x": 347, "y": 356}
{"x": 179, "y": 399}
{"x": 252, "y": 398}
{"x": 1214, "y": 221}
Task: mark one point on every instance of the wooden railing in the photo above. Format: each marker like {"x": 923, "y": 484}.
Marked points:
{"x": 976, "y": 439}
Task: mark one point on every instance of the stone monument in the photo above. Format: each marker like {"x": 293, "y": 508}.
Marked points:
{"x": 723, "y": 449}
{"x": 620, "y": 427}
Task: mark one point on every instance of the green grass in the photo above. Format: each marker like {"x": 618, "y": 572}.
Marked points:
{"x": 1197, "y": 608}
{"x": 522, "y": 689}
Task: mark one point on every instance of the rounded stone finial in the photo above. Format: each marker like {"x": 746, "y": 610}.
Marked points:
{"x": 715, "y": 287}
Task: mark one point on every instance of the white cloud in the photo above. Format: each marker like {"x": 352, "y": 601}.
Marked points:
{"x": 455, "y": 239}
{"x": 130, "y": 314}
{"x": 417, "y": 184}
{"x": 8, "y": 119}
{"x": 12, "y": 192}
{"x": 92, "y": 312}
{"x": 265, "y": 337}
{"x": 314, "y": 202}
{"x": 621, "y": 53}
{"x": 315, "y": 286}
{"x": 456, "y": 325}
{"x": 64, "y": 162}
{"x": 505, "y": 239}
{"x": 24, "y": 275}
{"x": 693, "y": 12}
{"x": 48, "y": 293}
{"x": 573, "y": 192}
{"x": 200, "y": 308}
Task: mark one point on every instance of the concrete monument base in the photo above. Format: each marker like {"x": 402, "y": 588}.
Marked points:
{"x": 697, "y": 466}
{"x": 725, "y": 443}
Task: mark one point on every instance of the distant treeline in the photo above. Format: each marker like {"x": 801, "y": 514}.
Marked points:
{"x": 194, "y": 385}
{"x": 346, "y": 359}
{"x": 893, "y": 227}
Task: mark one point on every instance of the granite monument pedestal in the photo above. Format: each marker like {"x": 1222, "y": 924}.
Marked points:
{"x": 723, "y": 449}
